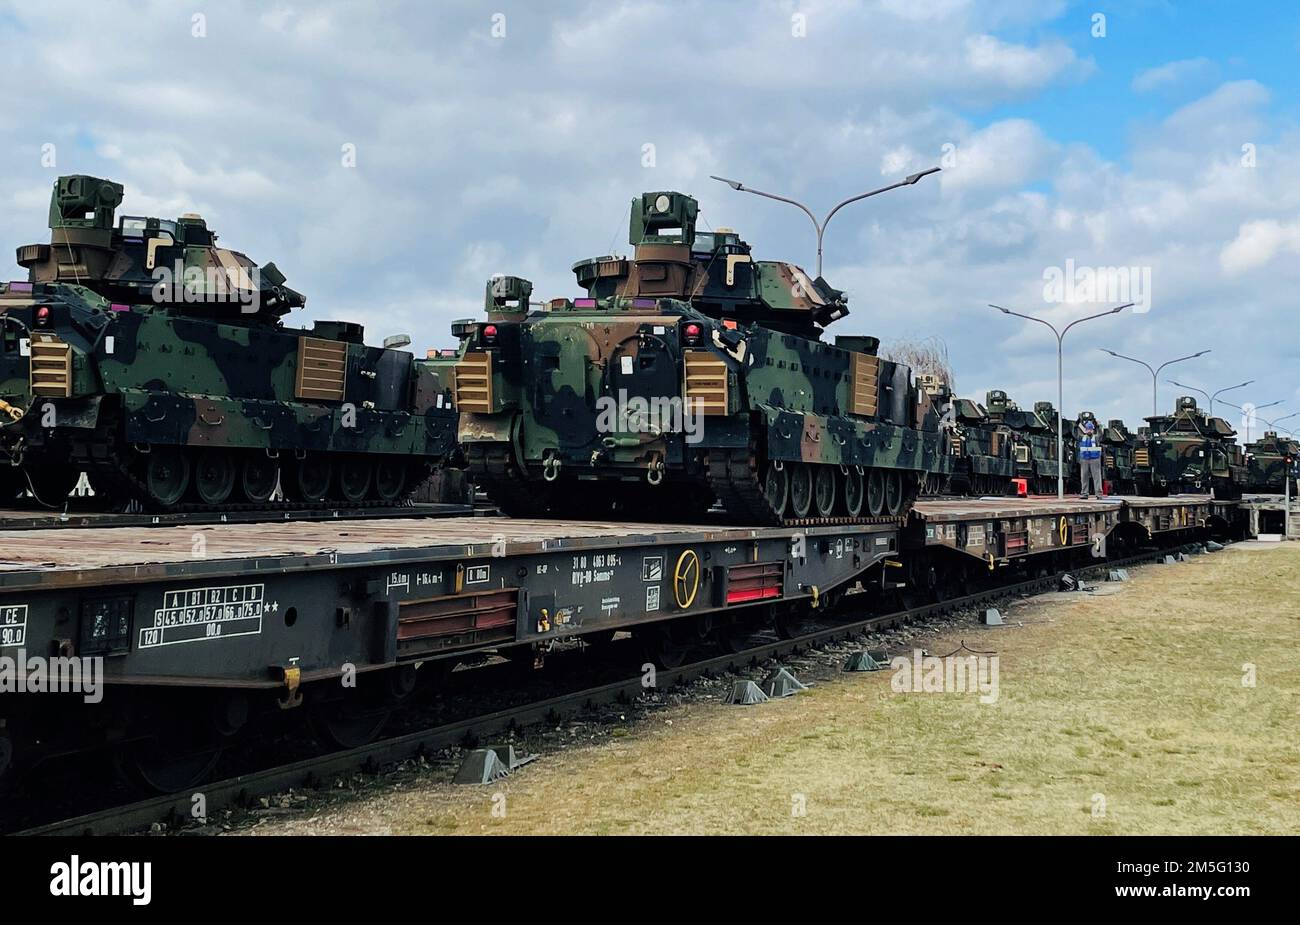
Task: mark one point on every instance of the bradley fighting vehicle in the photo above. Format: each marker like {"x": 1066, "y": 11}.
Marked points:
{"x": 1034, "y": 433}
{"x": 980, "y": 451}
{"x": 1267, "y": 462}
{"x": 1187, "y": 451}
{"x": 690, "y": 372}
{"x": 156, "y": 361}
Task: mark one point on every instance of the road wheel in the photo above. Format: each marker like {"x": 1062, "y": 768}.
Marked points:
{"x": 354, "y": 479}
{"x": 893, "y": 492}
{"x": 824, "y": 490}
{"x": 166, "y": 476}
{"x": 257, "y": 477}
{"x": 214, "y": 476}
{"x": 855, "y": 491}
{"x": 390, "y": 480}
{"x": 777, "y": 487}
{"x": 310, "y": 480}
{"x": 875, "y": 492}
{"x": 801, "y": 490}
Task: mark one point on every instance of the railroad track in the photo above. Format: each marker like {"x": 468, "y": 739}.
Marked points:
{"x": 311, "y": 772}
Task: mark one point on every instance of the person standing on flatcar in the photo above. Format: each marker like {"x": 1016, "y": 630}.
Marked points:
{"x": 1089, "y": 461}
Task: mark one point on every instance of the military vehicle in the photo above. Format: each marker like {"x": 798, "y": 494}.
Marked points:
{"x": 980, "y": 451}
{"x": 1267, "y": 463}
{"x": 1034, "y": 449}
{"x": 1188, "y": 451}
{"x": 690, "y": 372}
{"x": 157, "y": 362}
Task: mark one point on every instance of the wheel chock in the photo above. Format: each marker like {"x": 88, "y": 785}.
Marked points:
{"x": 485, "y": 765}
{"x": 744, "y": 693}
{"x": 781, "y": 683}
{"x": 992, "y": 617}
{"x": 481, "y": 766}
{"x": 862, "y": 660}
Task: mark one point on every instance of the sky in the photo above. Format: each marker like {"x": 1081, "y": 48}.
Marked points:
{"x": 390, "y": 157}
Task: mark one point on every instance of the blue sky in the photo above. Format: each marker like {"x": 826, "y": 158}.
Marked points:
{"x": 482, "y": 149}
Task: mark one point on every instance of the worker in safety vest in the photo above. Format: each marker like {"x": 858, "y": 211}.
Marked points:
{"x": 1089, "y": 460}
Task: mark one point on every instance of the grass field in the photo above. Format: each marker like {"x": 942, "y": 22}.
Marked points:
{"x": 1122, "y": 713}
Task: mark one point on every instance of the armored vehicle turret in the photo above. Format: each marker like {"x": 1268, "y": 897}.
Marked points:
{"x": 152, "y": 359}
{"x": 714, "y": 271}
{"x": 168, "y": 263}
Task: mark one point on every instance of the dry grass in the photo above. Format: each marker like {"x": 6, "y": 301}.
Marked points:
{"x": 1137, "y": 696}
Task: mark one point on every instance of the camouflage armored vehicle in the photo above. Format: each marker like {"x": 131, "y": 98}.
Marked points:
{"x": 1187, "y": 451}
{"x": 1034, "y": 440}
{"x": 1117, "y": 446}
{"x": 980, "y": 451}
{"x": 1266, "y": 463}
{"x": 691, "y": 372}
{"x": 156, "y": 361}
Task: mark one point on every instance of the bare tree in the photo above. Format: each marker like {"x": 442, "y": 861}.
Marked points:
{"x": 928, "y": 356}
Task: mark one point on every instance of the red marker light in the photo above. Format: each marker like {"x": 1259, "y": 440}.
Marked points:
{"x": 692, "y": 331}
{"x": 43, "y": 314}
{"x": 490, "y": 331}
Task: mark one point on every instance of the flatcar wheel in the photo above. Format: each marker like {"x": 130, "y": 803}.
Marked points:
{"x": 166, "y": 477}
{"x": 875, "y": 492}
{"x": 855, "y": 491}
{"x": 893, "y": 492}
{"x": 347, "y": 723}
{"x": 171, "y": 762}
{"x": 390, "y": 480}
{"x": 662, "y": 646}
{"x": 354, "y": 479}
{"x": 824, "y": 490}
{"x": 776, "y": 486}
{"x": 733, "y": 637}
{"x": 801, "y": 490}
{"x": 257, "y": 477}
{"x": 214, "y": 476}
{"x": 311, "y": 479}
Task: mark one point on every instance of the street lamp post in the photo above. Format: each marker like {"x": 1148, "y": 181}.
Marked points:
{"x": 1155, "y": 405}
{"x": 1060, "y": 380}
{"x": 1211, "y": 397}
{"x": 821, "y": 226}
{"x": 1249, "y": 414}
{"x": 1286, "y": 480}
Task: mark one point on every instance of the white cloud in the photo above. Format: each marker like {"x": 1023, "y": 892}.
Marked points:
{"x": 1173, "y": 74}
{"x": 478, "y": 155}
{"x": 1257, "y": 243}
